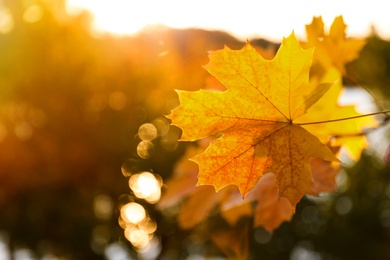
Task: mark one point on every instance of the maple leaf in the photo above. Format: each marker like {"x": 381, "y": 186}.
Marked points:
{"x": 199, "y": 201}
{"x": 332, "y": 52}
{"x": 325, "y": 173}
{"x": 256, "y": 117}
{"x": 271, "y": 210}
{"x": 333, "y": 49}
{"x": 346, "y": 132}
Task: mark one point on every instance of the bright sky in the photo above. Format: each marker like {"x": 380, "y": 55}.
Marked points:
{"x": 245, "y": 19}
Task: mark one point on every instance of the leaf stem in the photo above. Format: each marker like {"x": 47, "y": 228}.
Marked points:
{"x": 345, "y": 118}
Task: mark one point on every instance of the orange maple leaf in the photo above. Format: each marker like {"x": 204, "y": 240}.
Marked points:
{"x": 256, "y": 117}
{"x": 325, "y": 173}
{"x": 334, "y": 48}
{"x": 271, "y": 210}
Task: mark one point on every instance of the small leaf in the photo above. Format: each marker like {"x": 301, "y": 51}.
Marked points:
{"x": 324, "y": 173}
{"x": 271, "y": 209}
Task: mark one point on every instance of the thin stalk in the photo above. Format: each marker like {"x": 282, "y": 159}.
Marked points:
{"x": 344, "y": 118}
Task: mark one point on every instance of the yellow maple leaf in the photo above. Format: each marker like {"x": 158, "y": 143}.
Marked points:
{"x": 332, "y": 52}
{"x": 256, "y": 117}
{"x": 342, "y": 133}
{"x": 333, "y": 49}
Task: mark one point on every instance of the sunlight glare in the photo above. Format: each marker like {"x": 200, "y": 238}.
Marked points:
{"x": 272, "y": 19}
{"x": 121, "y": 17}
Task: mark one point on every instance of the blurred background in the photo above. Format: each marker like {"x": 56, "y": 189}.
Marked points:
{"x": 83, "y": 132}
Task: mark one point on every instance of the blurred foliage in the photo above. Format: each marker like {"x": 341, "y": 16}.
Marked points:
{"x": 372, "y": 69}
{"x": 71, "y": 103}
{"x": 70, "y": 106}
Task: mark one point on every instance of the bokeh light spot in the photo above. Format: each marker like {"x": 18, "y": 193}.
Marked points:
{"x": 309, "y": 214}
{"x": 262, "y": 236}
{"x": 343, "y": 181}
{"x": 129, "y": 167}
{"x": 100, "y": 238}
{"x": 147, "y": 132}
{"x": 162, "y": 125}
{"x": 6, "y": 20}
{"x": 32, "y": 14}
{"x": 23, "y": 253}
{"x": 116, "y": 251}
{"x": 103, "y": 206}
{"x": 139, "y": 238}
{"x": 101, "y": 234}
{"x": 169, "y": 141}
{"x": 343, "y": 205}
{"x": 148, "y": 225}
{"x": 146, "y": 186}
{"x": 97, "y": 102}
{"x": 133, "y": 212}
{"x": 145, "y": 149}
{"x": 151, "y": 251}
